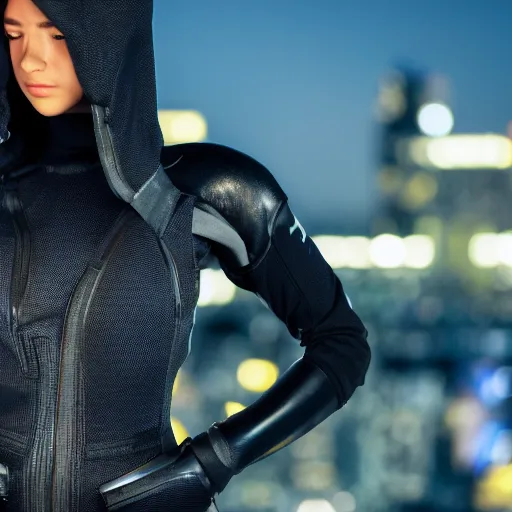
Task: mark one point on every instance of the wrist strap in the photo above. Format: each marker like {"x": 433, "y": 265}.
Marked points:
{"x": 216, "y": 470}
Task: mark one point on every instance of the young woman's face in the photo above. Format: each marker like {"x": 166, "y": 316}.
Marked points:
{"x": 40, "y": 59}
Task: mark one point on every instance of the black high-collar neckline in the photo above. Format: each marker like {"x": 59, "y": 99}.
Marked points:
{"x": 69, "y": 140}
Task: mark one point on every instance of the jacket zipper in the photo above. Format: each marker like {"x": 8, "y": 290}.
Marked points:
{"x": 40, "y": 458}
{"x": 65, "y": 471}
{"x": 21, "y": 265}
{"x": 68, "y": 439}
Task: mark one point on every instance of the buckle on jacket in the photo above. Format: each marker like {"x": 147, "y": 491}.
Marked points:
{"x": 4, "y": 482}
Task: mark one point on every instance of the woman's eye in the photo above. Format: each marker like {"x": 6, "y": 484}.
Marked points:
{"x": 12, "y": 37}
{"x": 58, "y": 37}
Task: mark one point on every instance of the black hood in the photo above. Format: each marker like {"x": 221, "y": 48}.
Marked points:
{"x": 111, "y": 45}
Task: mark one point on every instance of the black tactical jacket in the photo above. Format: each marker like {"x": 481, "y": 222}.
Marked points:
{"x": 99, "y": 279}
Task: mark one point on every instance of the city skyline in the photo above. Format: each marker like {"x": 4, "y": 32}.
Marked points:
{"x": 295, "y": 84}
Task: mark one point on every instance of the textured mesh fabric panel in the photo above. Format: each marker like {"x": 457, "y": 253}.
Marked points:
{"x": 128, "y": 340}
{"x": 63, "y": 237}
{"x": 111, "y": 44}
{"x": 101, "y": 469}
{"x": 7, "y": 245}
{"x": 16, "y": 401}
{"x": 38, "y": 461}
{"x": 129, "y": 350}
{"x": 179, "y": 239}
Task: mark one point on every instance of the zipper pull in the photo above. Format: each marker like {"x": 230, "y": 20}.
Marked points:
{"x": 10, "y": 195}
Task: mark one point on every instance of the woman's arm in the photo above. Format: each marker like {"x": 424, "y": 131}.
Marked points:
{"x": 262, "y": 247}
{"x": 298, "y": 285}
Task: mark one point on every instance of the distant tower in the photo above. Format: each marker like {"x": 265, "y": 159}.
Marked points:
{"x": 447, "y": 186}
{"x": 410, "y": 104}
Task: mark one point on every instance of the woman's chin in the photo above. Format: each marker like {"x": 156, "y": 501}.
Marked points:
{"x": 48, "y": 107}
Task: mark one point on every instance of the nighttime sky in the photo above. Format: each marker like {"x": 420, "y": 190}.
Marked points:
{"x": 294, "y": 82}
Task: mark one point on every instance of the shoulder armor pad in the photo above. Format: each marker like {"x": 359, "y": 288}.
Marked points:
{"x": 237, "y": 187}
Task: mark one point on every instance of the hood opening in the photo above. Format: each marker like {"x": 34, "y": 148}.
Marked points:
{"x": 111, "y": 46}
{"x": 20, "y": 125}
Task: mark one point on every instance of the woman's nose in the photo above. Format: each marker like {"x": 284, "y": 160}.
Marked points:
{"x": 32, "y": 61}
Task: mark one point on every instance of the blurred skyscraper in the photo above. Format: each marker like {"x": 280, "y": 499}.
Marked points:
{"x": 447, "y": 186}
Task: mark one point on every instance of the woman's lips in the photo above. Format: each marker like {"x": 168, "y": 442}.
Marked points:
{"x": 39, "y": 90}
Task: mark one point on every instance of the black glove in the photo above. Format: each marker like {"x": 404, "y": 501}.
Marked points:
{"x": 164, "y": 484}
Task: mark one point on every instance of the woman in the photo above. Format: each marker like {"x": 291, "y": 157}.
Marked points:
{"x": 102, "y": 235}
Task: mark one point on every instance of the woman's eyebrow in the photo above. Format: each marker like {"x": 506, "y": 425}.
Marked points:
{"x": 16, "y": 23}
{"x": 46, "y": 24}
{"x": 11, "y": 21}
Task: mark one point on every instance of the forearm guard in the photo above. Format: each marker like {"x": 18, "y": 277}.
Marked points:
{"x": 301, "y": 399}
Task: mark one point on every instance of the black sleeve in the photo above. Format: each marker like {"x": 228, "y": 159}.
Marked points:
{"x": 298, "y": 285}
{"x": 284, "y": 266}
{"x": 244, "y": 215}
